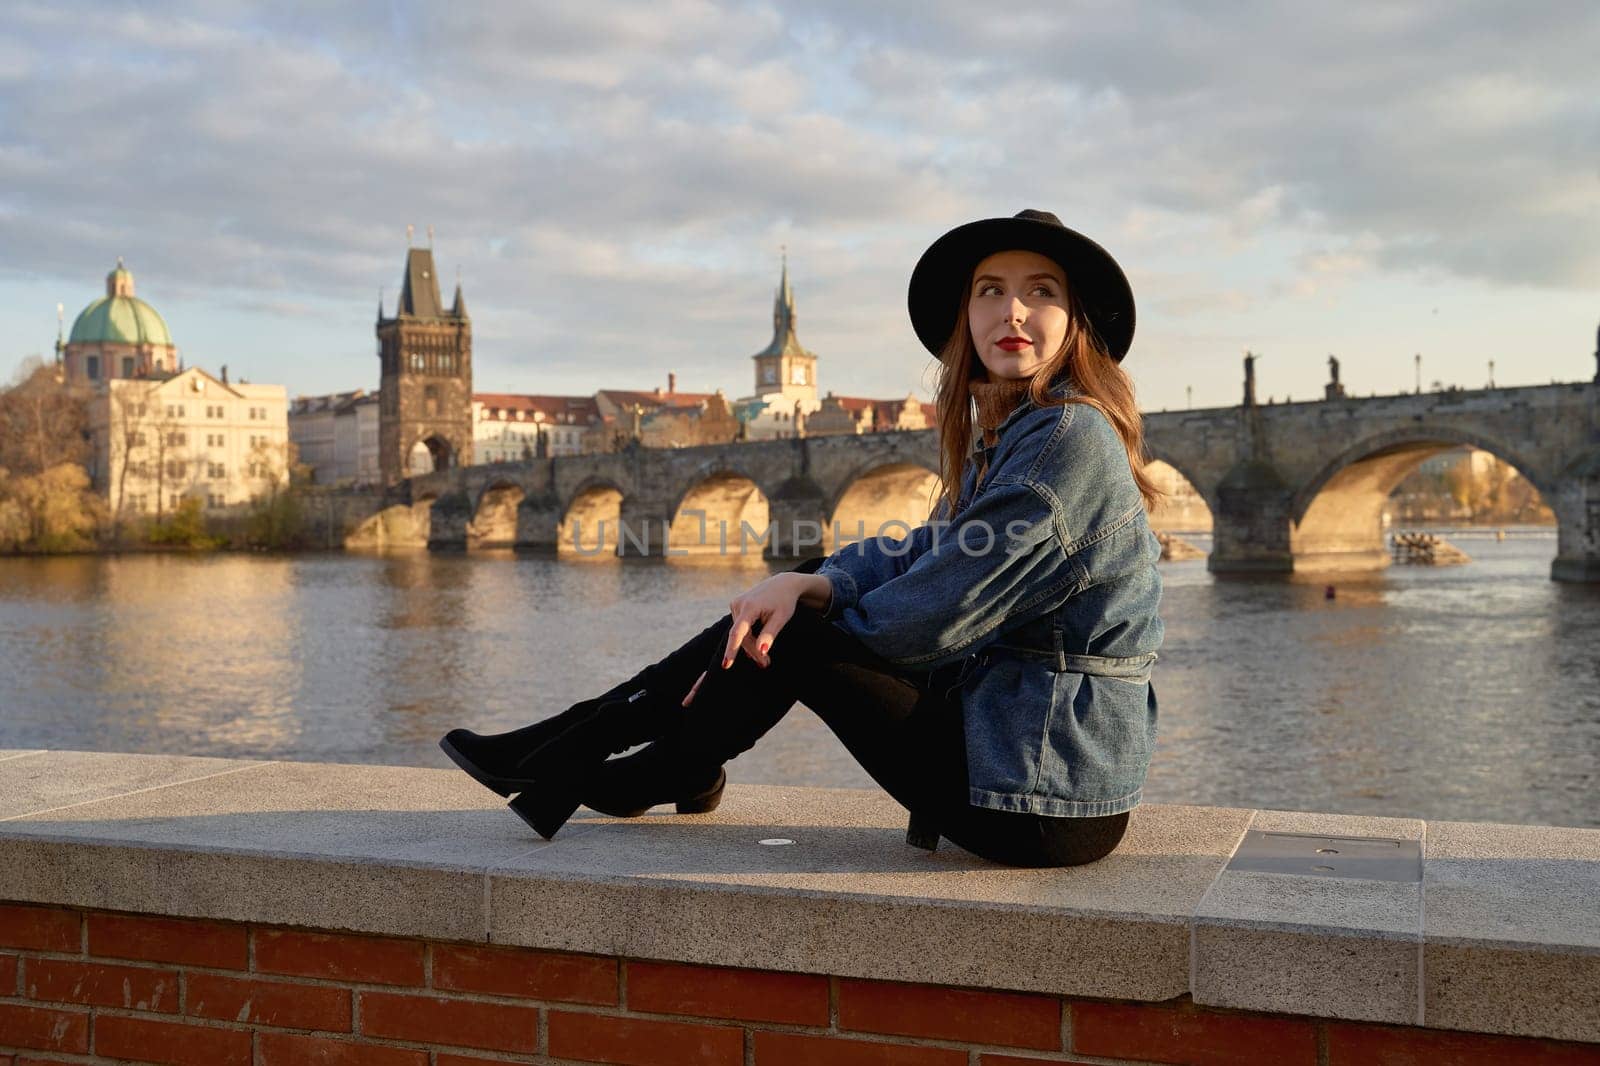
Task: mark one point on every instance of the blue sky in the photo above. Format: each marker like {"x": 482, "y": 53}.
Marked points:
{"x": 614, "y": 181}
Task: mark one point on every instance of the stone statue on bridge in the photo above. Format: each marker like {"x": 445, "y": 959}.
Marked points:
{"x": 1250, "y": 378}
{"x": 1335, "y": 389}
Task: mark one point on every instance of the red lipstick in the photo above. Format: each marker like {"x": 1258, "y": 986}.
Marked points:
{"x": 1015, "y": 344}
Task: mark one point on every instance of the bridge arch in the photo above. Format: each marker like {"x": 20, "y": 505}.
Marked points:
{"x": 431, "y": 453}
{"x": 885, "y": 495}
{"x": 1395, "y": 453}
{"x": 494, "y": 513}
{"x": 590, "y": 519}
{"x": 1205, "y": 487}
{"x": 712, "y": 514}
{"x": 1336, "y": 517}
{"x": 1188, "y": 504}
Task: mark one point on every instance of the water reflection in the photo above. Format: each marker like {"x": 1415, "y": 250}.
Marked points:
{"x": 1464, "y": 693}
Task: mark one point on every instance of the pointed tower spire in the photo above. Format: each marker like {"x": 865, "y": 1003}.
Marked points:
{"x": 380, "y": 303}
{"x": 784, "y": 340}
{"x": 459, "y": 309}
{"x": 785, "y": 293}
{"x": 783, "y": 309}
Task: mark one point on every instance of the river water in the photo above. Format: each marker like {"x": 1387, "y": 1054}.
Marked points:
{"x": 1466, "y": 693}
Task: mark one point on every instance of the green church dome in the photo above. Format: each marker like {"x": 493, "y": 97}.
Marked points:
{"x": 120, "y": 317}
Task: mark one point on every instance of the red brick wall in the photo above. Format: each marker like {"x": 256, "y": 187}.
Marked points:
{"x": 95, "y": 987}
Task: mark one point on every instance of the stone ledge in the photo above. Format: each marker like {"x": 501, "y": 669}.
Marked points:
{"x": 428, "y": 853}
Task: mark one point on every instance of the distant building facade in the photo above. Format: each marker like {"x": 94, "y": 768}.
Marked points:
{"x": 336, "y": 437}
{"x": 507, "y": 427}
{"x": 425, "y": 385}
{"x": 666, "y": 418}
{"x": 860, "y": 414}
{"x": 684, "y": 425}
{"x": 157, "y": 441}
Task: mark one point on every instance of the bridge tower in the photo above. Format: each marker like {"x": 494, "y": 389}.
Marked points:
{"x": 425, "y": 406}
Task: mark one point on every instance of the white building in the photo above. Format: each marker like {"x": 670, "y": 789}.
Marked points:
{"x": 507, "y": 427}
{"x": 157, "y": 441}
{"x": 337, "y": 436}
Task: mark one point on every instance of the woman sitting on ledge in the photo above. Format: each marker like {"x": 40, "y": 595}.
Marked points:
{"x": 992, "y": 669}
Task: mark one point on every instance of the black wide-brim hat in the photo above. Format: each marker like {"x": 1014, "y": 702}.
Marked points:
{"x": 943, "y": 274}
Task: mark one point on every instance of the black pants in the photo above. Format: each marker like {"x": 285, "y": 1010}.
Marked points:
{"x": 903, "y": 728}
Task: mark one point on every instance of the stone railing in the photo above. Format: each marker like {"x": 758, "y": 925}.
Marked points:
{"x": 211, "y": 911}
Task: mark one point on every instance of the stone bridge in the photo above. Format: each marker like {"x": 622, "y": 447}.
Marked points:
{"x": 1292, "y": 487}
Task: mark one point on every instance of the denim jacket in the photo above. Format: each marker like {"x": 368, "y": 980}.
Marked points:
{"x": 1039, "y": 601}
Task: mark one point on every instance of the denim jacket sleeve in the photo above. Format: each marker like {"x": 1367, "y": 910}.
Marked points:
{"x": 861, "y": 566}
{"x": 1001, "y": 562}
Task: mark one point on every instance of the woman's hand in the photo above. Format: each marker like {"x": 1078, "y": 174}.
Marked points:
{"x": 769, "y": 604}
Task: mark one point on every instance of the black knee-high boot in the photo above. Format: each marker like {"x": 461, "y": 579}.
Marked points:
{"x": 650, "y": 705}
{"x": 663, "y": 772}
{"x": 733, "y": 709}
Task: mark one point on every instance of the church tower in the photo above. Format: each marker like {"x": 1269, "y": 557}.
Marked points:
{"x": 784, "y": 367}
{"x": 425, "y": 391}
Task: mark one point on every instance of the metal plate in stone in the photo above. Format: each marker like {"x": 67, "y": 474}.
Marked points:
{"x": 1310, "y": 855}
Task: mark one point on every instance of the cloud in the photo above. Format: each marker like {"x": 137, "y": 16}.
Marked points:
{"x": 629, "y": 171}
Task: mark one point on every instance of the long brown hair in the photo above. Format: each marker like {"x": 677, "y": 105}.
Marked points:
{"x": 1098, "y": 381}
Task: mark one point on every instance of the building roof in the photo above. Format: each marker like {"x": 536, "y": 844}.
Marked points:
{"x": 419, "y": 290}
{"x": 675, "y": 409}
{"x": 627, "y": 398}
{"x": 196, "y": 380}
{"x": 337, "y": 402}
{"x": 568, "y": 410}
{"x": 120, "y": 317}
{"x": 883, "y": 410}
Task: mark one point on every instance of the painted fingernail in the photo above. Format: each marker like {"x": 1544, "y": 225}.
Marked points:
{"x": 727, "y": 663}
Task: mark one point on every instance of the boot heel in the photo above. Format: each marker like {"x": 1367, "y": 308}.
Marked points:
{"x": 708, "y": 800}
{"x": 922, "y": 831}
{"x": 545, "y": 812}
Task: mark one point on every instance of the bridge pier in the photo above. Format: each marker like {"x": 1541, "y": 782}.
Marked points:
{"x": 538, "y": 525}
{"x": 643, "y": 530}
{"x": 1577, "y": 508}
{"x": 798, "y": 527}
{"x": 1250, "y": 525}
{"x": 448, "y": 522}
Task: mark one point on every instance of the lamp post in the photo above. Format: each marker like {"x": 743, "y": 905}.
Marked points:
{"x": 1419, "y": 373}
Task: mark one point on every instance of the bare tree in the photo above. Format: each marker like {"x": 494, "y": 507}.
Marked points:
{"x": 43, "y": 423}
{"x": 131, "y": 423}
